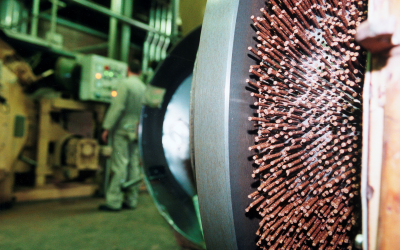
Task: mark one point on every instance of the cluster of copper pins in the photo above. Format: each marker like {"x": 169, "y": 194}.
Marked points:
{"x": 308, "y": 87}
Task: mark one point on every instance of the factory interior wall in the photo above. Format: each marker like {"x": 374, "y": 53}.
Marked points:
{"x": 192, "y": 13}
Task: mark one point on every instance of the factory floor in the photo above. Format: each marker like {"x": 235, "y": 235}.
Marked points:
{"x": 76, "y": 224}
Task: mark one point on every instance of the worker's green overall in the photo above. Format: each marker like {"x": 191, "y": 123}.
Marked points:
{"x": 122, "y": 120}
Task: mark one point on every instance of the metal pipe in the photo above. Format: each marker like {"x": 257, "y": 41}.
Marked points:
{"x": 120, "y": 17}
{"x": 91, "y": 47}
{"x": 24, "y": 24}
{"x": 27, "y": 160}
{"x": 37, "y": 41}
{"x": 54, "y": 9}
{"x": 35, "y": 17}
{"x": 75, "y": 26}
{"x": 113, "y": 31}
{"x": 175, "y": 16}
{"x": 126, "y": 31}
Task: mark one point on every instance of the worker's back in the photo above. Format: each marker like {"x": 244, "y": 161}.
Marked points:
{"x": 124, "y": 112}
{"x": 133, "y": 102}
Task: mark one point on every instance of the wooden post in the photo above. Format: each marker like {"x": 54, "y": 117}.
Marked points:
{"x": 389, "y": 216}
{"x": 381, "y": 144}
{"x": 389, "y": 212}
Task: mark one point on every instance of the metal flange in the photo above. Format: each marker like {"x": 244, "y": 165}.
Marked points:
{"x": 221, "y": 130}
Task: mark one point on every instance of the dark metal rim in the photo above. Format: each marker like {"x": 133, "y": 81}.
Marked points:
{"x": 221, "y": 129}
{"x": 171, "y": 200}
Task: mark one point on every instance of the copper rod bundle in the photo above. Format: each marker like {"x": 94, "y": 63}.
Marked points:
{"x": 307, "y": 81}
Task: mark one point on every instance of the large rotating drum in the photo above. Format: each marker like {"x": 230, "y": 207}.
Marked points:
{"x": 220, "y": 111}
{"x": 306, "y": 74}
{"x": 164, "y": 142}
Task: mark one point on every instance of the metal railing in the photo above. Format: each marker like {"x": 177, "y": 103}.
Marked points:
{"x": 162, "y": 28}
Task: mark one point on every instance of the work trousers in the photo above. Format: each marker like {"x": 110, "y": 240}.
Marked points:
{"x": 124, "y": 167}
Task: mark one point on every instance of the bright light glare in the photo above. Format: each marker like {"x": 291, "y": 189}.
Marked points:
{"x": 113, "y": 93}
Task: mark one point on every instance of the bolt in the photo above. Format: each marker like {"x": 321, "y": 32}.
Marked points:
{"x": 358, "y": 242}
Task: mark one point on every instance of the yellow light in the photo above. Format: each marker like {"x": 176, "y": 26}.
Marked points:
{"x": 98, "y": 76}
{"x": 113, "y": 93}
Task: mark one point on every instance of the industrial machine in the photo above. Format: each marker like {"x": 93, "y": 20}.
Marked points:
{"x": 64, "y": 121}
{"x": 99, "y": 75}
{"x": 89, "y": 78}
{"x": 70, "y": 147}
{"x": 222, "y": 134}
{"x": 226, "y": 173}
{"x": 15, "y": 118}
{"x": 54, "y": 130}
{"x": 68, "y": 104}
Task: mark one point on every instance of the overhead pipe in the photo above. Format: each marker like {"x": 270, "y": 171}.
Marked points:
{"x": 118, "y": 16}
{"x": 175, "y": 16}
{"x": 35, "y": 17}
{"x": 126, "y": 31}
{"x": 116, "y": 6}
{"x": 75, "y": 26}
{"x": 89, "y": 48}
{"x": 53, "y": 22}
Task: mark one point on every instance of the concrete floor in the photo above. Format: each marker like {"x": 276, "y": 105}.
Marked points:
{"x": 77, "y": 224}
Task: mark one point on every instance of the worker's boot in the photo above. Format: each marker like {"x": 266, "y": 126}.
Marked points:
{"x": 108, "y": 208}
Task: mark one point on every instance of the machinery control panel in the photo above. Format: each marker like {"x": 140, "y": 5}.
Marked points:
{"x": 99, "y": 77}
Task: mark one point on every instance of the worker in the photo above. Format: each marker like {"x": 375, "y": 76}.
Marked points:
{"x": 121, "y": 122}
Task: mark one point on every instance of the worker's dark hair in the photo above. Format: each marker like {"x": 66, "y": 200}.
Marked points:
{"x": 135, "y": 66}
